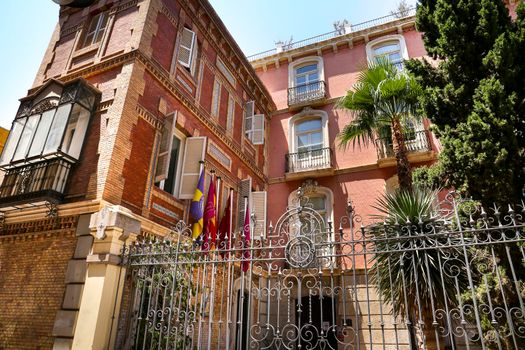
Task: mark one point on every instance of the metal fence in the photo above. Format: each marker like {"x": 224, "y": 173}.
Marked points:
{"x": 451, "y": 280}
{"x": 335, "y": 33}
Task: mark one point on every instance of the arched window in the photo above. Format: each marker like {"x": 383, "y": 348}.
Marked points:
{"x": 309, "y": 137}
{"x": 306, "y": 80}
{"x": 391, "y": 47}
{"x": 308, "y": 141}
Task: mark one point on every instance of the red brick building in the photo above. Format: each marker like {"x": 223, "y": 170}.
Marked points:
{"x": 130, "y": 97}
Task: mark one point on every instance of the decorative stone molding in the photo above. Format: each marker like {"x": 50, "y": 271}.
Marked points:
{"x": 114, "y": 216}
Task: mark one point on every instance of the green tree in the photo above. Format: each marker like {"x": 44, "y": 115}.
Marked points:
{"x": 411, "y": 278}
{"x": 382, "y": 100}
{"x": 474, "y": 94}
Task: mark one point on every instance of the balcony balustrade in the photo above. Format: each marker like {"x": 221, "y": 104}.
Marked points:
{"x": 32, "y": 183}
{"x": 307, "y": 93}
{"x": 310, "y": 160}
{"x": 418, "y": 141}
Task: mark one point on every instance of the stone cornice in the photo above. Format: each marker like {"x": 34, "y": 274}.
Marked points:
{"x": 333, "y": 43}
{"x": 113, "y": 10}
{"x": 163, "y": 77}
{"x": 149, "y": 117}
{"x": 243, "y": 70}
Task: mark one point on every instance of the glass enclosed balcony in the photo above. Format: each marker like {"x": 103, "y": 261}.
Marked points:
{"x": 46, "y": 141}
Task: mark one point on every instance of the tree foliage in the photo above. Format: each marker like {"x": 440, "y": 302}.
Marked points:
{"x": 383, "y": 100}
{"x": 474, "y": 94}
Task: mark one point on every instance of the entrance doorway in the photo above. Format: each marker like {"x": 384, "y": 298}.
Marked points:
{"x": 316, "y": 322}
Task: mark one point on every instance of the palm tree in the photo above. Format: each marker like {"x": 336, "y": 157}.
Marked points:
{"x": 414, "y": 266}
{"x": 383, "y": 99}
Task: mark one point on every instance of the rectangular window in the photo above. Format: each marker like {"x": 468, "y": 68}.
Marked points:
{"x": 96, "y": 29}
{"x": 216, "y": 99}
{"x": 249, "y": 111}
{"x": 188, "y": 50}
{"x": 231, "y": 114}
{"x": 169, "y": 183}
{"x": 226, "y": 72}
{"x": 219, "y": 155}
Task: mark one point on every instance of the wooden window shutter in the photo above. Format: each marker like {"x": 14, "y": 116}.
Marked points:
{"x": 166, "y": 140}
{"x": 258, "y": 129}
{"x": 258, "y": 207}
{"x": 193, "y": 59}
{"x": 249, "y": 110}
{"x": 187, "y": 42}
{"x": 245, "y": 189}
{"x": 193, "y": 153}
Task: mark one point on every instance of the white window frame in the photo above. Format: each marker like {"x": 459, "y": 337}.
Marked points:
{"x": 317, "y": 191}
{"x": 216, "y": 99}
{"x": 191, "y": 64}
{"x": 292, "y": 68}
{"x": 305, "y": 115}
{"x": 99, "y": 31}
{"x": 230, "y": 117}
{"x": 372, "y": 45}
{"x": 182, "y": 138}
{"x": 226, "y": 72}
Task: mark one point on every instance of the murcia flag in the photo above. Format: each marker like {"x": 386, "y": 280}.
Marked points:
{"x": 196, "y": 207}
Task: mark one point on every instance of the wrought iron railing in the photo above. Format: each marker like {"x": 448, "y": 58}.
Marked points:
{"x": 335, "y": 33}
{"x": 451, "y": 278}
{"x": 309, "y": 160}
{"x": 418, "y": 141}
{"x": 306, "y": 93}
{"x": 45, "y": 180}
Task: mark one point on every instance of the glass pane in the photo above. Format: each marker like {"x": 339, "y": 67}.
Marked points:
{"x": 41, "y": 133}
{"x": 169, "y": 183}
{"x": 313, "y": 77}
{"x": 308, "y": 68}
{"x": 300, "y": 80}
{"x": 316, "y": 137}
{"x": 386, "y": 48}
{"x": 307, "y": 125}
{"x": 394, "y": 57}
{"x": 26, "y": 137}
{"x": 57, "y": 128}
{"x": 14, "y": 136}
{"x": 303, "y": 140}
{"x": 318, "y": 203}
{"x": 75, "y": 131}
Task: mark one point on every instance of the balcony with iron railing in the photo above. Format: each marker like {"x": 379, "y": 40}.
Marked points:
{"x": 33, "y": 183}
{"x": 306, "y": 94}
{"x": 340, "y": 32}
{"x": 309, "y": 163}
{"x": 415, "y": 142}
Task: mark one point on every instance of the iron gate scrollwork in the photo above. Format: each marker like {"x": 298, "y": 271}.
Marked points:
{"x": 455, "y": 281}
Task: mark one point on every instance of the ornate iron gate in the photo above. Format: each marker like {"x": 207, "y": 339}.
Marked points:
{"x": 451, "y": 281}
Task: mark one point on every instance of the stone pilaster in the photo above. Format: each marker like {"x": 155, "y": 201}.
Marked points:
{"x": 112, "y": 228}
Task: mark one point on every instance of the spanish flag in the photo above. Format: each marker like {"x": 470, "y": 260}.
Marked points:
{"x": 196, "y": 207}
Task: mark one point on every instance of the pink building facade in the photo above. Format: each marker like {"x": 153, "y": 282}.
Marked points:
{"x": 304, "y": 151}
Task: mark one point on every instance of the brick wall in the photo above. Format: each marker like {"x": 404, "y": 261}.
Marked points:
{"x": 32, "y": 284}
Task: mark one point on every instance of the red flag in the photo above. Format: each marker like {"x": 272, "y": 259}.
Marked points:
{"x": 246, "y": 239}
{"x": 210, "y": 225}
{"x": 225, "y": 229}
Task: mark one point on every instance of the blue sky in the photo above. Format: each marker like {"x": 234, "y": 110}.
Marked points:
{"x": 27, "y": 25}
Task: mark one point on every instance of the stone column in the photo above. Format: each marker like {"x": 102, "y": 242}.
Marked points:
{"x": 112, "y": 227}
